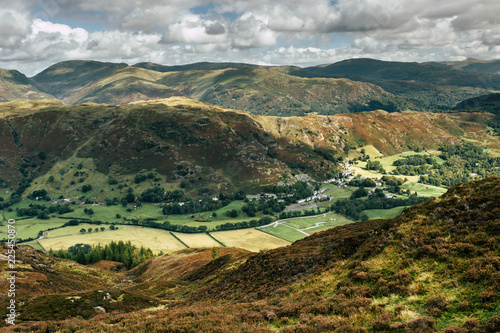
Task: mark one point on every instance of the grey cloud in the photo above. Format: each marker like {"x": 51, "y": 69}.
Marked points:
{"x": 92, "y": 44}
{"x": 215, "y": 29}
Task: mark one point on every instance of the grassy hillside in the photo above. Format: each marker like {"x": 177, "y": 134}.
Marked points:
{"x": 484, "y": 103}
{"x": 62, "y": 148}
{"x": 199, "y": 66}
{"x": 15, "y": 85}
{"x": 266, "y": 91}
{"x": 260, "y": 90}
{"x": 432, "y": 269}
{"x": 90, "y": 81}
{"x": 178, "y": 139}
{"x": 470, "y": 65}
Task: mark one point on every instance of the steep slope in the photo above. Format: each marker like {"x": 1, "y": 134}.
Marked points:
{"x": 14, "y": 85}
{"x": 265, "y": 91}
{"x": 434, "y": 268}
{"x": 423, "y": 85}
{"x": 260, "y": 90}
{"x": 484, "y": 103}
{"x": 90, "y": 81}
{"x": 216, "y": 148}
{"x": 471, "y": 65}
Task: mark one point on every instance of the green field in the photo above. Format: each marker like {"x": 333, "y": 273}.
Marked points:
{"x": 197, "y": 240}
{"x": 386, "y": 162}
{"x": 249, "y": 239}
{"x": 424, "y": 190}
{"x": 155, "y": 239}
{"x": 300, "y": 227}
{"x": 383, "y": 213}
{"x": 30, "y": 228}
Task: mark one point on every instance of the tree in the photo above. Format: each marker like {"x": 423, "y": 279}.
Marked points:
{"x": 82, "y": 230}
{"x": 89, "y": 230}
{"x": 232, "y": 213}
{"x": 86, "y": 188}
{"x": 96, "y": 229}
{"x": 102, "y": 228}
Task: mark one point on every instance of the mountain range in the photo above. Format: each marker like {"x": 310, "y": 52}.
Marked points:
{"x": 344, "y": 87}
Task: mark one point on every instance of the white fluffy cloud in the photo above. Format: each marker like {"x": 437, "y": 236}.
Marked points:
{"x": 301, "y": 32}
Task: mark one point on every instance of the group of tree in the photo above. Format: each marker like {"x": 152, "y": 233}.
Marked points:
{"x": 266, "y": 205}
{"x": 89, "y": 230}
{"x": 244, "y": 224}
{"x": 375, "y": 165}
{"x": 415, "y": 160}
{"x": 292, "y": 193}
{"x": 463, "y": 163}
{"x": 39, "y": 195}
{"x": 124, "y": 252}
{"x": 194, "y": 206}
{"x": 43, "y": 211}
{"x": 353, "y": 208}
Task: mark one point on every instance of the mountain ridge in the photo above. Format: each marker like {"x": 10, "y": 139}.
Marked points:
{"x": 268, "y": 90}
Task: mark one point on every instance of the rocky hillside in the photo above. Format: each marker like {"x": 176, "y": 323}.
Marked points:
{"x": 435, "y": 268}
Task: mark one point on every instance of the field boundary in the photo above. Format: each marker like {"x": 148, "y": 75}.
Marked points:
{"x": 275, "y": 235}
{"x": 179, "y": 240}
{"x": 218, "y": 241}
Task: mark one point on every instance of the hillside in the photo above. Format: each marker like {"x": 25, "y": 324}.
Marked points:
{"x": 201, "y": 144}
{"x": 265, "y": 91}
{"x": 260, "y": 90}
{"x": 344, "y": 87}
{"x": 484, "y": 103}
{"x": 199, "y": 66}
{"x": 15, "y": 85}
{"x": 470, "y": 65}
{"x": 424, "y": 86}
{"x": 434, "y": 268}
{"x": 75, "y": 82}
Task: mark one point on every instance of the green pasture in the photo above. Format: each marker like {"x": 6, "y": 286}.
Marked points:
{"x": 30, "y": 228}
{"x": 424, "y": 190}
{"x": 300, "y": 227}
{"x": 383, "y": 213}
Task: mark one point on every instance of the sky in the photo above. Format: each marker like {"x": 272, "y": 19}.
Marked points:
{"x": 35, "y": 34}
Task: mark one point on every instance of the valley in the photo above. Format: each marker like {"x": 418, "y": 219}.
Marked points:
{"x": 360, "y": 196}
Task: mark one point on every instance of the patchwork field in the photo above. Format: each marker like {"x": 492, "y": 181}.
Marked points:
{"x": 300, "y": 227}
{"x": 249, "y": 239}
{"x": 155, "y": 239}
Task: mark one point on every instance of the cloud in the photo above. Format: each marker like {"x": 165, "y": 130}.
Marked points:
{"x": 300, "y": 32}
{"x": 14, "y": 27}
